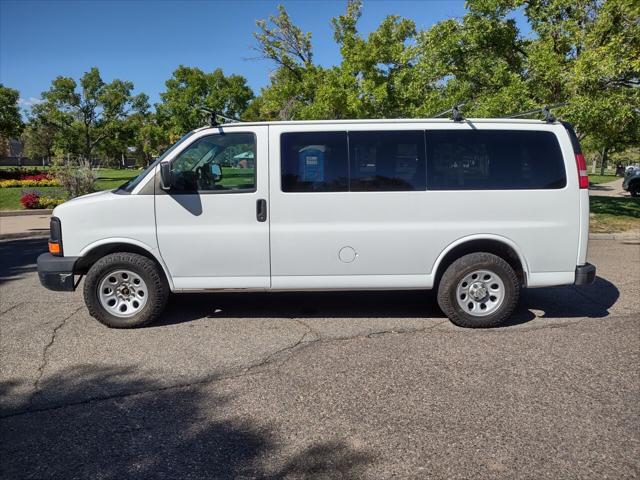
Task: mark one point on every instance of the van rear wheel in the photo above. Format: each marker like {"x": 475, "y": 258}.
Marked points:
{"x": 125, "y": 290}
{"x": 479, "y": 290}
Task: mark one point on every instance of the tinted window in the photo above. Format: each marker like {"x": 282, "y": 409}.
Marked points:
{"x": 314, "y": 162}
{"x": 216, "y": 162}
{"x": 385, "y": 161}
{"x": 493, "y": 160}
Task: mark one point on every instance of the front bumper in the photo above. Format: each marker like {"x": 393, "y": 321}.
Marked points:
{"x": 56, "y": 273}
{"x": 585, "y": 274}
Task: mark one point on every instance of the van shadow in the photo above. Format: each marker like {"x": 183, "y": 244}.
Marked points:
{"x": 18, "y": 257}
{"x": 192, "y": 203}
{"x": 592, "y": 301}
{"x": 190, "y": 432}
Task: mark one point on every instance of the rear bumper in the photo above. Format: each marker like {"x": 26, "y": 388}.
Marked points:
{"x": 56, "y": 273}
{"x": 585, "y": 274}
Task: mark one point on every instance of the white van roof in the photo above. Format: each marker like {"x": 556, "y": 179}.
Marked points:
{"x": 511, "y": 121}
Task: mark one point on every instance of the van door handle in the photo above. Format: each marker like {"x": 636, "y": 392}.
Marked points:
{"x": 261, "y": 210}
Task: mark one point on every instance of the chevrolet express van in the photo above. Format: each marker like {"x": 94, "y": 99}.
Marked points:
{"x": 476, "y": 209}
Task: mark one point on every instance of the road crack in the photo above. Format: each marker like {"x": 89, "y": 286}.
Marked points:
{"x": 11, "y": 308}
{"x": 45, "y": 353}
{"x": 287, "y": 352}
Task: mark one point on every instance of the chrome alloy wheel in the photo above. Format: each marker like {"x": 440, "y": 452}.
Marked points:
{"x": 480, "y": 293}
{"x": 122, "y": 293}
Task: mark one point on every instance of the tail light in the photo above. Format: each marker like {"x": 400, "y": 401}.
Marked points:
{"x": 55, "y": 237}
{"x": 583, "y": 178}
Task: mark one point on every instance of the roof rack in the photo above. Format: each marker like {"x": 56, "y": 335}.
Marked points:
{"x": 214, "y": 116}
{"x": 546, "y": 112}
{"x": 456, "y": 113}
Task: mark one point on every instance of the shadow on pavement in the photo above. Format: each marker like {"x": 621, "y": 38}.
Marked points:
{"x": 601, "y": 187}
{"x": 350, "y": 304}
{"x": 163, "y": 433}
{"x": 593, "y": 301}
{"x": 18, "y": 257}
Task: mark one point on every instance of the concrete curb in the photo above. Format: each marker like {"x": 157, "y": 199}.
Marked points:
{"x": 615, "y": 236}
{"x": 20, "y": 213}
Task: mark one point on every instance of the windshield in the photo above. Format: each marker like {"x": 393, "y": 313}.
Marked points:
{"x": 133, "y": 183}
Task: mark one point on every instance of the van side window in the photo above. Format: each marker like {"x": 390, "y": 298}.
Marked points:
{"x": 314, "y": 162}
{"x": 494, "y": 160}
{"x": 221, "y": 162}
{"x": 387, "y": 161}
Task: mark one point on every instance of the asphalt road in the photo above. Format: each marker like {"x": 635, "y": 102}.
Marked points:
{"x": 322, "y": 385}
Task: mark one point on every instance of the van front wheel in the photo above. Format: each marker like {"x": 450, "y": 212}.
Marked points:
{"x": 125, "y": 290}
{"x": 479, "y": 290}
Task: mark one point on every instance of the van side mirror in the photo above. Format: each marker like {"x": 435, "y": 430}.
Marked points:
{"x": 216, "y": 172}
{"x": 165, "y": 176}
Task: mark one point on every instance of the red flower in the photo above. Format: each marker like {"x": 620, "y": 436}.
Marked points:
{"x": 37, "y": 177}
{"x": 30, "y": 200}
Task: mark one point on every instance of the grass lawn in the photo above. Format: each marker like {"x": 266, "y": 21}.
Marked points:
{"x": 108, "y": 179}
{"x": 602, "y": 178}
{"x": 611, "y": 214}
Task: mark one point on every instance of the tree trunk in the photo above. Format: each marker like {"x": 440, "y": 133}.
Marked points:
{"x": 605, "y": 152}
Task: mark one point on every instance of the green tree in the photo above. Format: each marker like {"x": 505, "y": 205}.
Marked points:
{"x": 605, "y": 80}
{"x": 11, "y": 124}
{"x": 190, "y": 89}
{"x": 372, "y": 80}
{"x": 87, "y": 113}
{"x": 123, "y": 134}
{"x": 478, "y": 60}
{"x": 39, "y": 139}
{"x": 151, "y": 138}
{"x": 295, "y": 83}
{"x": 376, "y": 73}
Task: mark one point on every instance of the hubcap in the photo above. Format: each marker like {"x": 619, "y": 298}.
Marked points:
{"x": 480, "y": 293}
{"x": 122, "y": 293}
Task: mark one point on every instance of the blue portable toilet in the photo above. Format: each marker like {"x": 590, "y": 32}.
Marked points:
{"x": 311, "y": 163}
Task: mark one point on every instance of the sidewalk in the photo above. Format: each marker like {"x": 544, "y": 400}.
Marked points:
{"x": 608, "y": 189}
{"x": 24, "y": 226}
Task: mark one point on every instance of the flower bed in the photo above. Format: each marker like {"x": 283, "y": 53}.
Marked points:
{"x": 33, "y": 200}
{"x": 41, "y": 180}
{"x": 27, "y": 178}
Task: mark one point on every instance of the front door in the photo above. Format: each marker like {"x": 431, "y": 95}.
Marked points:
{"x": 212, "y": 225}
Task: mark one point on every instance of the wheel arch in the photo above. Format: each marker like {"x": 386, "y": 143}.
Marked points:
{"x": 495, "y": 244}
{"x": 95, "y": 251}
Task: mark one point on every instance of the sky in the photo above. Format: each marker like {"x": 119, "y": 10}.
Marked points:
{"x": 144, "y": 41}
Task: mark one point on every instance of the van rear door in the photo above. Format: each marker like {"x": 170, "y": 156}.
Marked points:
{"x": 583, "y": 184}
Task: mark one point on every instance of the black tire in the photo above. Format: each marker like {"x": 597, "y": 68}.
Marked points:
{"x": 447, "y": 290}
{"x": 158, "y": 290}
{"x": 634, "y": 189}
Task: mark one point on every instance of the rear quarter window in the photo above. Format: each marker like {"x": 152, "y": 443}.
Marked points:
{"x": 494, "y": 160}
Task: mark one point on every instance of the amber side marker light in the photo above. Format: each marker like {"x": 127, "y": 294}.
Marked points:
{"x": 54, "y": 248}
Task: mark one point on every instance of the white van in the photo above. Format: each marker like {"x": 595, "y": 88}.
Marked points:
{"x": 477, "y": 209}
